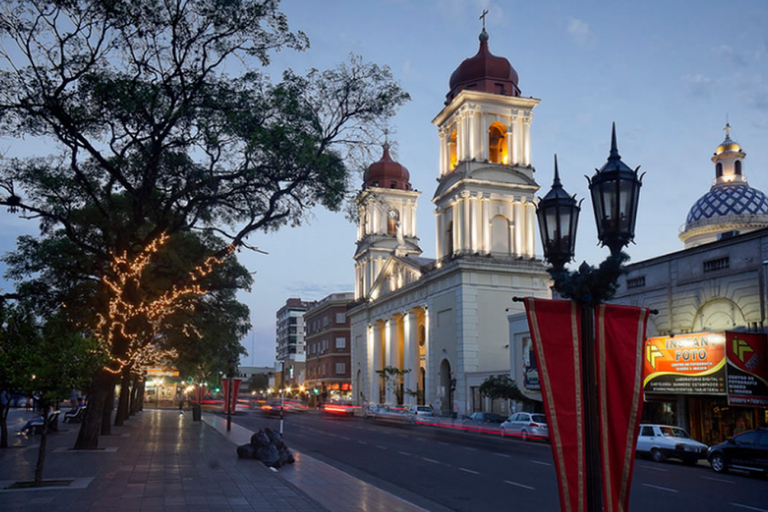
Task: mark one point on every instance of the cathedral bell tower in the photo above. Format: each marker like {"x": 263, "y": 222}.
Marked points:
{"x": 386, "y": 220}
{"x": 484, "y": 200}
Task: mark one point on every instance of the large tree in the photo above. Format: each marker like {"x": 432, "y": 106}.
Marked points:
{"x": 151, "y": 136}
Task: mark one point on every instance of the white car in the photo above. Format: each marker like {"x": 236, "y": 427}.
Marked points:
{"x": 661, "y": 442}
{"x": 526, "y": 425}
{"x": 421, "y": 410}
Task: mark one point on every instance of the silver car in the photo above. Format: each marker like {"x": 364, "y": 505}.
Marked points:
{"x": 661, "y": 442}
{"x": 526, "y": 425}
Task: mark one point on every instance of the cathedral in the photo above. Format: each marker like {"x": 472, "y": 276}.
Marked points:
{"x": 430, "y": 331}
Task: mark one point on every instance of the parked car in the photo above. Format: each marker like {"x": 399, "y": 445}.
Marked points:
{"x": 747, "y": 451}
{"x": 661, "y": 442}
{"x": 338, "y": 409}
{"x": 421, "y": 410}
{"x": 485, "y": 417}
{"x": 396, "y": 413}
{"x": 526, "y": 425}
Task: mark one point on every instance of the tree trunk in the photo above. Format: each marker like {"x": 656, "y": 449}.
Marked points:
{"x": 88, "y": 437}
{"x": 41, "y": 450}
{"x": 109, "y": 405}
{"x": 125, "y": 395}
{"x": 4, "y": 408}
{"x": 140, "y": 394}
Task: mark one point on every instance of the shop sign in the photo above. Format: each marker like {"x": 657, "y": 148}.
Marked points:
{"x": 685, "y": 364}
{"x": 747, "y": 369}
{"x": 530, "y": 371}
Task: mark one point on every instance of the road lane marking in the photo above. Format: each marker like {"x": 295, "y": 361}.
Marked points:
{"x": 721, "y": 480}
{"x": 503, "y": 455}
{"x": 346, "y": 438}
{"x": 406, "y": 454}
{"x": 362, "y": 442}
{"x": 431, "y": 460}
{"x": 520, "y": 485}
{"x": 748, "y": 507}
{"x": 403, "y": 436}
{"x": 655, "y": 468}
{"x": 469, "y": 471}
{"x": 470, "y": 448}
{"x": 381, "y": 447}
{"x": 661, "y": 488}
{"x": 541, "y": 462}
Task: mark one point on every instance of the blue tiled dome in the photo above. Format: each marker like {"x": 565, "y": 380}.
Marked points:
{"x": 722, "y": 200}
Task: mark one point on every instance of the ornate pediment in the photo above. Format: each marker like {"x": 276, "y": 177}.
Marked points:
{"x": 396, "y": 273}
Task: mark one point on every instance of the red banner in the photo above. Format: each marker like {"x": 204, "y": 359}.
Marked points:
{"x": 747, "y": 355}
{"x": 230, "y": 404}
{"x": 556, "y": 333}
{"x": 225, "y": 387}
{"x": 619, "y": 341}
{"x": 619, "y": 336}
{"x": 236, "y": 391}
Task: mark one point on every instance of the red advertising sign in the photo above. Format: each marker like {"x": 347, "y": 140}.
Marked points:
{"x": 747, "y": 369}
{"x": 692, "y": 364}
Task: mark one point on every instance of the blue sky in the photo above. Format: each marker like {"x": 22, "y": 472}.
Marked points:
{"x": 667, "y": 72}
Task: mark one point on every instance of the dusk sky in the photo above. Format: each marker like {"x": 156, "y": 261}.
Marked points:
{"x": 669, "y": 73}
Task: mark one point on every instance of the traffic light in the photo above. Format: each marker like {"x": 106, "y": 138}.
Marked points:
{"x": 316, "y": 391}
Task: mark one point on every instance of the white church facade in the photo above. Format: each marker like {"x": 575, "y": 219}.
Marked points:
{"x": 439, "y": 326}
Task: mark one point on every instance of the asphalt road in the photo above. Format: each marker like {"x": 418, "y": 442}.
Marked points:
{"x": 441, "y": 469}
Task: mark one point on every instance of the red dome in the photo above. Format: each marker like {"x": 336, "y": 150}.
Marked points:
{"x": 386, "y": 173}
{"x": 484, "y": 72}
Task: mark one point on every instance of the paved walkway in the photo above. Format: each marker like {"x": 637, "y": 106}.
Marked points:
{"x": 162, "y": 460}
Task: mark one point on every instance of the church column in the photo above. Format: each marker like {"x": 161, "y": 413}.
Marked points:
{"x": 486, "y": 223}
{"x": 510, "y": 142}
{"x": 411, "y": 355}
{"x": 527, "y": 139}
{"x": 444, "y": 151}
{"x": 460, "y": 136}
{"x": 530, "y": 225}
{"x": 473, "y": 135}
{"x": 374, "y": 344}
{"x": 467, "y": 221}
{"x": 393, "y": 355}
{"x": 456, "y": 225}
{"x": 475, "y": 223}
{"x": 519, "y": 221}
{"x": 514, "y": 154}
{"x": 428, "y": 381}
{"x": 485, "y": 140}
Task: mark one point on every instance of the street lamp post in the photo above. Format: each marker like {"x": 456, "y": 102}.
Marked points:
{"x": 615, "y": 190}
{"x": 230, "y": 390}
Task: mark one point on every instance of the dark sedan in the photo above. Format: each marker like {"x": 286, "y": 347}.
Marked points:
{"x": 747, "y": 451}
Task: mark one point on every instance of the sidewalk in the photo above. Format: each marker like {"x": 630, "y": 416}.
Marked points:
{"x": 162, "y": 460}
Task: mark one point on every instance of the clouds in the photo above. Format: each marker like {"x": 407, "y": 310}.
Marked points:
{"x": 725, "y": 52}
{"x": 580, "y": 32}
{"x": 699, "y": 86}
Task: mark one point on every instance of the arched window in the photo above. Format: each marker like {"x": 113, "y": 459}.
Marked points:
{"x": 449, "y": 240}
{"x": 719, "y": 169}
{"x": 497, "y": 144}
{"x": 393, "y": 217}
{"x": 737, "y": 166}
{"x": 453, "y": 155}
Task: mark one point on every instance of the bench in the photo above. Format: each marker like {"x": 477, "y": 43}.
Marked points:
{"x": 53, "y": 423}
{"x": 74, "y": 416}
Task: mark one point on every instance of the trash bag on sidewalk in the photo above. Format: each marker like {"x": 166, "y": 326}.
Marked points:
{"x": 246, "y": 451}
{"x": 268, "y": 447}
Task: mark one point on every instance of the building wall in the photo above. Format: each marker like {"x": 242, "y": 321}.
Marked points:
{"x": 464, "y": 307}
{"x": 327, "y": 324}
